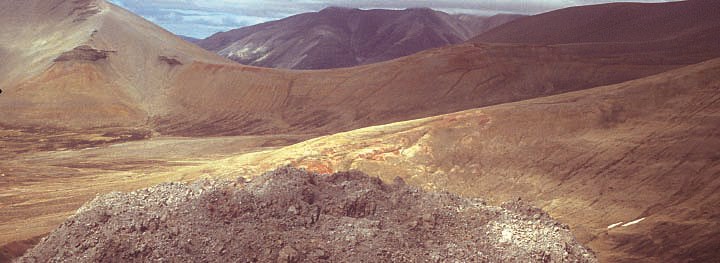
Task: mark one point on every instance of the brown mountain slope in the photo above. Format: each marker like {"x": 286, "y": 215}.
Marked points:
{"x": 249, "y": 100}
{"x": 643, "y": 153}
{"x": 341, "y": 37}
{"x": 85, "y": 64}
{"x": 114, "y": 69}
{"x": 617, "y": 22}
{"x": 100, "y": 79}
{"x": 262, "y": 101}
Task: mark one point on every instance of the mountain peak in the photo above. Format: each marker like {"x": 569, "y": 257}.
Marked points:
{"x": 339, "y": 37}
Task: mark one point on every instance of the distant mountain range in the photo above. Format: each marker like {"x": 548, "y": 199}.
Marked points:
{"x": 341, "y": 37}
{"x": 190, "y": 39}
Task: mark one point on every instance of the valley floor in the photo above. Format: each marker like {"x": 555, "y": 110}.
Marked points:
{"x": 45, "y": 178}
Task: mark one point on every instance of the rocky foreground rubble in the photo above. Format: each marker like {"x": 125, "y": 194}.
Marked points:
{"x": 290, "y": 215}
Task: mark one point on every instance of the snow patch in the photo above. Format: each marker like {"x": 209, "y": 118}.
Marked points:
{"x": 634, "y": 222}
{"x": 506, "y": 236}
{"x": 623, "y": 224}
{"x": 615, "y": 225}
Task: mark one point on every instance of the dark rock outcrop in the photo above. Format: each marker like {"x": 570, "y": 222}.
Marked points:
{"x": 83, "y": 53}
{"x": 170, "y": 60}
{"x": 83, "y": 9}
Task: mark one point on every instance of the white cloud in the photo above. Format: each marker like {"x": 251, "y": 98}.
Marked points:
{"x": 203, "y": 18}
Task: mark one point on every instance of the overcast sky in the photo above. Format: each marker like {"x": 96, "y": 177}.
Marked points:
{"x": 201, "y": 18}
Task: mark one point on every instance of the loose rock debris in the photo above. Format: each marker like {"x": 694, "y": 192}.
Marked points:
{"x": 291, "y": 215}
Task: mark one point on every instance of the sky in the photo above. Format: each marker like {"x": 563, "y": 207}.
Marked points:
{"x": 202, "y": 18}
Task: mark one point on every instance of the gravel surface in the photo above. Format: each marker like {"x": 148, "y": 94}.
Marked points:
{"x": 291, "y": 215}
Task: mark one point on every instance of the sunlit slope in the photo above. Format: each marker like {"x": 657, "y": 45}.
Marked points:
{"x": 640, "y": 149}
{"x": 85, "y": 64}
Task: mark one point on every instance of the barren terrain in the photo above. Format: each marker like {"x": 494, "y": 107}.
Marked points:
{"x": 642, "y": 151}
{"x": 118, "y": 70}
{"x": 44, "y": 182}
{"x": 616, "y": 138}
{"x": 305, "y": 217}
{"x": 338, "y": 37}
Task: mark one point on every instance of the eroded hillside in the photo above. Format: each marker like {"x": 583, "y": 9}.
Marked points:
{"x": 642, "y": 151}
{"x": 343, "y": 37}
{"x": 93, "y": 94}
{"x": 122, "y": 71}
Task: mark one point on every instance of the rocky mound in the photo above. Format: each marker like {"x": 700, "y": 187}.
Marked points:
{"x": 290, "y": 215}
